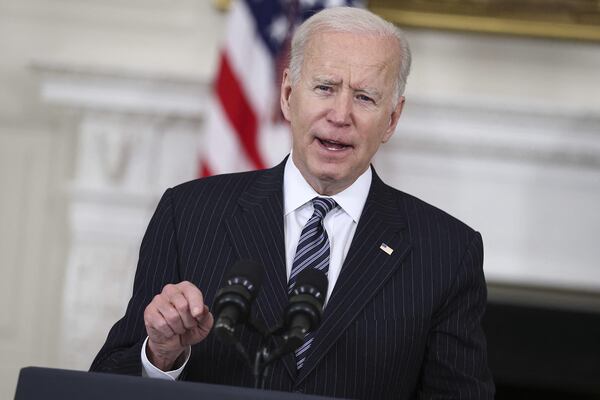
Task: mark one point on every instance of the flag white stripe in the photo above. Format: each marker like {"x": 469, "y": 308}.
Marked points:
{"x": 250, "y": 60}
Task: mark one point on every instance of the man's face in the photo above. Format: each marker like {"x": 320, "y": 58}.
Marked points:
{"x": 342, "y": 107}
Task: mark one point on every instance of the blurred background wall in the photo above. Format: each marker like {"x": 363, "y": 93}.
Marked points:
{"x": 102, "y": 106}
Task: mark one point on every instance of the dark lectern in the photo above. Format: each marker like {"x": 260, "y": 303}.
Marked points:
{"x": 51, "y": 384}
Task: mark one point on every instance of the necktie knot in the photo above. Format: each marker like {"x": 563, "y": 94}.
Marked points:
{"x": 322, "y": 205}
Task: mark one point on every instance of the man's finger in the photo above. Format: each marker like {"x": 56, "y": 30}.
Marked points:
{"x": 182, "y": 306}
{"x": 207, "y": 321}
{"x": 170, "y": 315}
{"x": 156, "y": 326}
{"x": 201, "y": 331}
{"x": 194, "y": 298}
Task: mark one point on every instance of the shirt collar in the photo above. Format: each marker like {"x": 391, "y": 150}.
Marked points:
{"x": 297, "y": 192}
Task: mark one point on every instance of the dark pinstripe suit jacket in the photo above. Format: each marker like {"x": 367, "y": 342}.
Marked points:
{"x": 398, "y": 326}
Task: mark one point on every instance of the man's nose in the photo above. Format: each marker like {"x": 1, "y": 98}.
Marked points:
{"x": 341, "y": 109}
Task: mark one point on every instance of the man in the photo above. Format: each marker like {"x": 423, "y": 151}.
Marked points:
{"x": 406, "y": 287}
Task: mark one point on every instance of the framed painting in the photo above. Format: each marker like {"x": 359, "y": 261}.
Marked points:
{"x": 565, "y": 19}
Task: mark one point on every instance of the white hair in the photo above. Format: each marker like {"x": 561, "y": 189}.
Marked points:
{"x": 349, "y": 20}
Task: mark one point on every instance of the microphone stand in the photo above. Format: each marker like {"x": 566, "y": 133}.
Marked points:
{"x": 266, "y": 355}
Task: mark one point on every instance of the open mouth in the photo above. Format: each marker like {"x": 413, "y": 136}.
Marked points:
{"x": 333, "y": 145}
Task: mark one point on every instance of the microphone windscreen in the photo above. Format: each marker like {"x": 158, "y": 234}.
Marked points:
{"x": 248, "y": 269}
{"x": 313, "y": 277}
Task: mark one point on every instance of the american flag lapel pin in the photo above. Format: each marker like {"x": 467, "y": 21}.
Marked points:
{"x": 388, "y": 250}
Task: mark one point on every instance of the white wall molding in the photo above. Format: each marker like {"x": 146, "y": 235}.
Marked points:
{"x": 501, "y": 131}
{"x": 527, "y": 178}
{"x": 121, "y": 90}
{"x": 137, "y": 135}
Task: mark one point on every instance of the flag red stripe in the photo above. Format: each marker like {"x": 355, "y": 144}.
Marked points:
{"x": 205, "y": 169}
{"x": 238, "y": 110}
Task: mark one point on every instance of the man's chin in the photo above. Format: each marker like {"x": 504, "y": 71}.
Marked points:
{"x": 329, "y": 175}
{"x": 329, "y": 182}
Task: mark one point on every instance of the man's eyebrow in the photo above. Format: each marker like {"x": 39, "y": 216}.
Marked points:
{"x": 328, "y": 80}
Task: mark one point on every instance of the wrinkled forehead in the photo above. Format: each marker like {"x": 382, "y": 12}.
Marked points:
{"x": 365, "y": 54}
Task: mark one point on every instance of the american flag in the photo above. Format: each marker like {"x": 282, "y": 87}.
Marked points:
{"x": 245, "y": 129}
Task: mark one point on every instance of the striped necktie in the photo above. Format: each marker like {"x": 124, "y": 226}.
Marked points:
{"x": 312, "y": 252}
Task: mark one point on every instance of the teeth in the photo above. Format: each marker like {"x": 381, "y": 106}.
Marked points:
{"x": 331, "y": 141}
{"x": 332, "y": 145}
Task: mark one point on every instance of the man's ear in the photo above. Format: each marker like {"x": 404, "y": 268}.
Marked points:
{"x": 286, "y": 92}
{"x": 394, "y": 118}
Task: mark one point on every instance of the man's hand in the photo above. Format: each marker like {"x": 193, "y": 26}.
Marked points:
{"x": 174, "y": 319}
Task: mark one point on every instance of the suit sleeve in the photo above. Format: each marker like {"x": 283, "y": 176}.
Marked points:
{"x": 157, "y": 266}
{"x": 455, "y": 365}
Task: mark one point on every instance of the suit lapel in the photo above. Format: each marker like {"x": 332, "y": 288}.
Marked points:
{"x": 365, "y": 269}
{"x": 256, "y": 230}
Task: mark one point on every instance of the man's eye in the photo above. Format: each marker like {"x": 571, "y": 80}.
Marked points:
{"x": 365, "y": 98}
{"x": 323, "y": 88}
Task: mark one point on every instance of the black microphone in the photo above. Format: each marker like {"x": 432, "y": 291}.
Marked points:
{"x": 305, "y": 309}
{"x": 233, "y": 300}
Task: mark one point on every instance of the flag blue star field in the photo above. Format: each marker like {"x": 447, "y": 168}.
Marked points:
{"x": 245, "y": 129}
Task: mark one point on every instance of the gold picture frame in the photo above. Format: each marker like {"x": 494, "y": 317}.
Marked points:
{"x": 563, "y": 19}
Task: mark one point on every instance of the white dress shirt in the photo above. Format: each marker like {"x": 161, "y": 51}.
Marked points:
{"x": 340, "y": 224}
